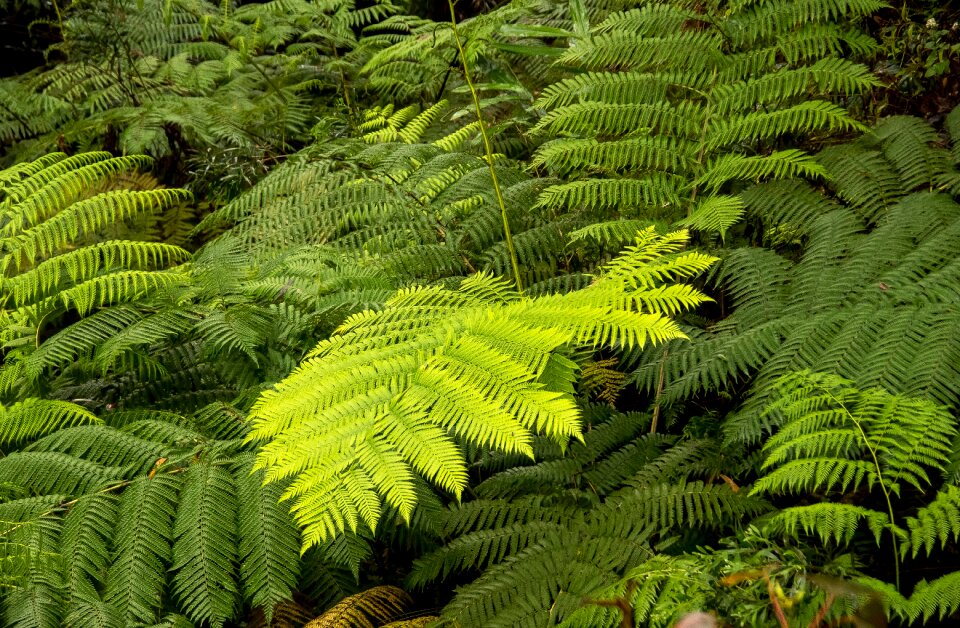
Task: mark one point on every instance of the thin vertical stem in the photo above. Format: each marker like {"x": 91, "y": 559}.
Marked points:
{"x": 508, "y": 236}
{"x": 880, "y": 481}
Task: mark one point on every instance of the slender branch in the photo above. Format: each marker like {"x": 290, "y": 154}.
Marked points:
{"x": 508, "y": 236}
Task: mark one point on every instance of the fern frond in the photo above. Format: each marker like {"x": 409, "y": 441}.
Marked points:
{"x": 670, "y": 506}
{"x": 940, "y": 598}
{"x": 32, "y": 418}
{"x": 203, "y": 556}
{"x": 84, "y": 264}
{"x": 49, "y": 472}
{"x": 483, "y": 357}
{"x": 103, "y": 445}
{"x": 269, "y": 550}
{"x": 715, "y": 214}
{"x": 831, "y": 428}
{"x": 85, "y": 544}
{"x": 145, "y": 530}
{"x": 935, "y": 524}
{"x": 837, "y": 523}
{"x": 779, "y": 164}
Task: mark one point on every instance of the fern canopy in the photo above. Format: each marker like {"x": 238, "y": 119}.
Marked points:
{"x": 261, "y": 365}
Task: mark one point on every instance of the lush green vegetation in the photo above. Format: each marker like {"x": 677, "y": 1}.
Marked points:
{"x": 525, "y": 313}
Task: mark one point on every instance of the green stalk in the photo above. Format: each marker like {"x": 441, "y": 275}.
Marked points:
{"x": 883, "y": 486}
{"x": 508, "y": 236}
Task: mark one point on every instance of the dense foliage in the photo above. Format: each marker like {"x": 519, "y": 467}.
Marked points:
{"x": 527, "y": 313}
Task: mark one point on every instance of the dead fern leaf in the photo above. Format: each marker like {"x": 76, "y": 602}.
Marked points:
{"x": 367, "y": 609}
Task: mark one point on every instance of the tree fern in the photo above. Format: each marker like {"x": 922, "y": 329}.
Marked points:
{"x": 588, "y": 451}
{"x": 177, "y": 528}
{"x": 437, "y": 351}
{"x": 836, "y": 440}
{"x": 864, "y": 294}
{"x": 683, "y": 105}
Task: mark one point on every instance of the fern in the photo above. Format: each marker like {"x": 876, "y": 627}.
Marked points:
{"x": 936, "y": 523}
{"x": 836, "y": 439}
{"x": 431, "y": 359}
{"x": 136, "y": 577}
{"x": 269, "y": 543}
{"x": 180, "y": 512}
{"x": 164, "y": 77}
{"x": 47, "y": 270}
{"x": 675, "y": 115}
{"x": 34, "y": 417}
{"x": 205, "y": 528}
{"x": 547, "y": 534}
{"x": 373, "y": 607}
{"x": 860, "y": 289}
{"x": 591, "y": 451}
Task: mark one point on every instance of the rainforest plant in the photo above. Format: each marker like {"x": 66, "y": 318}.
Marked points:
{"x": 429, "y": 343}
{"x": 675, "y": 107}
{"x": 854, "y": 282}
{"x": 101, "y": 520}
{"x": 391, "y": 395}
{"x": 168, "y": 78}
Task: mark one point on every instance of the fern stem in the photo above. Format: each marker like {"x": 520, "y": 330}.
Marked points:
{"x": 883, "y": 487}
{"x": 56, "y": 9}
{"x": 660, "y": 383}
{"x": 708, "y": 97}
{"x": 343, "y": 83}
{"x": 508, "y": 236}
